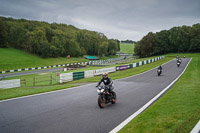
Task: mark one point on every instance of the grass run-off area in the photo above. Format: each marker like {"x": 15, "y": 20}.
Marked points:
{"x": 11, "y": 59}
{"x": 127, "y": 48}
{"x": 15, "y": 59}
{"x": 178, "y": 110}
{"x": 29, "y": 89}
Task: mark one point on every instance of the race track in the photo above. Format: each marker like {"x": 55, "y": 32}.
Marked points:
{"x": 76, "y": 110}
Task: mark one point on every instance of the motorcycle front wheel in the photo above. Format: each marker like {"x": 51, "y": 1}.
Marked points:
{"x": 159, "y": 73}
{"x": 101, "y": 101}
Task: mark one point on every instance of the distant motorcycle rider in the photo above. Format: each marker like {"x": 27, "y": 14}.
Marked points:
{"x": 160, "y": 67}
{"x": 107, "y": 81}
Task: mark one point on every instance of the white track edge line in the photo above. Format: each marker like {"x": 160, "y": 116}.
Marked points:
{"x": 74, "y": 87}
{"x": 121, "y": 125}
{"x": 196, "y": 129}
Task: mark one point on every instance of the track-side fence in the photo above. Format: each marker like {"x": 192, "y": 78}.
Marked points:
{"x": 65, "y": 77}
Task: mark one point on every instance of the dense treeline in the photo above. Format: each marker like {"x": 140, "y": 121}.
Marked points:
{"x": 177, "y": 39}
{"x": 128, "y": 41}
{"x": 53, "y": 40}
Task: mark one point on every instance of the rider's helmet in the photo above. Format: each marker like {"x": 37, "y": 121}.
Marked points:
{"x": 105, "y": 75}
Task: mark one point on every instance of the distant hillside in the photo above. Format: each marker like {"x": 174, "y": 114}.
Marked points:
{"x": 53, "y": 40}
{"x": 127, "y": 48}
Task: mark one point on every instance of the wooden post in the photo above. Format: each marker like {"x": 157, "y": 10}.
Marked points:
{"x": 56, "y": 76}
{"x": 34, "y": 81}
{"x": 51, "y": 79}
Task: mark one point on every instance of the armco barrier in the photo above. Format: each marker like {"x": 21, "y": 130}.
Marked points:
{"x": 140, "y": 63}
{"x": 9, "y": 83}
{"x": 137, "y": 64}
{"x": 65, "y": 77}
{"x": 89, "y": 73}
{"x": 78, "y": 75}
{"x": 134, "y": 65}
{"x": 130, "y": 65}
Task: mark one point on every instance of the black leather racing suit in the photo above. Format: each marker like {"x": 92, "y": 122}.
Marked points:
{"x": 108, "y": 82}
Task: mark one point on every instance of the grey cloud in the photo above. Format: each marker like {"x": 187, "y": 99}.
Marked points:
{"x": 120, "y": 19}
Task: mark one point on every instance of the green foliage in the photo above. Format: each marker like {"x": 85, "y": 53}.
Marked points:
{"x": 3, "y": 34}
{"x": 53, "y": 40}
{"x": 112, "y": 46}
{"x": 177, "y": 39}
{"x": 127, "y": 48}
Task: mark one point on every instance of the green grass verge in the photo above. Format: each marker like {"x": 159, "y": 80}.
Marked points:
{"x": 127, "y": 48}
{"x": 178, "y": 110}
{"x": 23, "y": 91}
{"x": 11, "y": 59}
{"x": 16, "y": 59}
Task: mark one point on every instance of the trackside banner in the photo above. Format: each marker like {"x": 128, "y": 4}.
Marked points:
{"x": 5, "y": 84}
{"x": 124, "y": 67}
{"x": 108, "y": 70}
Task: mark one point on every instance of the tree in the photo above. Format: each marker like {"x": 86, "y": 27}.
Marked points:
{"x": 3, "y": 35}
{"x": 195, "y": 41}
{"x": 145, "y": 46}
{"x": 161, "y": 45}
{"x": 112, "y": 46}
{"x": 53, "y": 40}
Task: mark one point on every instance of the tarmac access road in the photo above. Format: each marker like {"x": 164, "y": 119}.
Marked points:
{"x": 76, "y": 110}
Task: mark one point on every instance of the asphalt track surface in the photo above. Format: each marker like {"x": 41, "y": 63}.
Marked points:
{"x": 76, "y": 111}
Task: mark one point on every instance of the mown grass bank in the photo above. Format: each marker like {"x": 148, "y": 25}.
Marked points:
{"x": 11, "y": 59}
{"x": 23, "y": 91}
{"x": 15, "y": 59}
{"x": 178, "y": 110}
{"x": 127, "y": 48}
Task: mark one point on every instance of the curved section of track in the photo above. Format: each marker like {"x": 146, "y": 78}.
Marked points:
{"x": 76, "y": 110}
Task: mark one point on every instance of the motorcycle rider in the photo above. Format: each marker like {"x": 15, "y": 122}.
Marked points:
{"x": 160, "y": 67}
{"x": 180, "y": 60}
{"x": 107, "y": 81}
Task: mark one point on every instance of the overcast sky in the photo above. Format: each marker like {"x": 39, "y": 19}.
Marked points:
{"x": 117, "y": 19}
